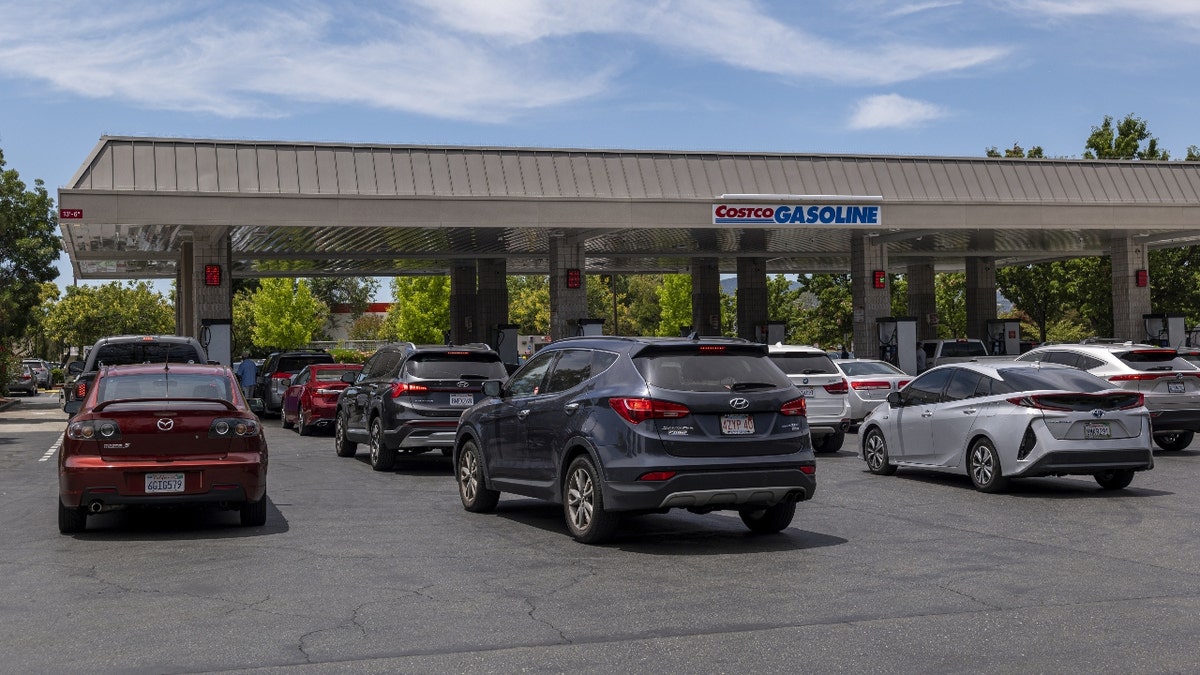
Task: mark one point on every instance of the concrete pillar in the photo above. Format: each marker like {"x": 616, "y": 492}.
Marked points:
{"x": 981, "y": 296}
{"x": 922, "y": 300}
{"x": 463, "y": 302}
{"x": 567, "y": 305}
{"x": 212, "y": 304}
{"x": 491, "y": 303}
{"x": 184, "y": 287}
{"x": 706, "y": 296}
{"x": 870, "y": 303}
{"x": 751, "y": 296}
{"x": 1130, "y": 301}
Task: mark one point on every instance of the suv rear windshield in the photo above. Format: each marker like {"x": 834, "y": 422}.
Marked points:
{"x": 963, "y": 349}
{"x": 721, "y": 371}
{"x": 799, "y": 363}
{"x": 120, "y": 354}
{"x": 456, "y": 367}
{"x": 295, "y": 364}
{"x": 1154, "y": 359}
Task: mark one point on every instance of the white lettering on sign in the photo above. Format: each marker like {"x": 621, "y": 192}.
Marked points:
{"x": 70, "y": 214}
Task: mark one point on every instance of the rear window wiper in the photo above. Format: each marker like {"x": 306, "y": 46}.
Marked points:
{"x": 742, "y": 386}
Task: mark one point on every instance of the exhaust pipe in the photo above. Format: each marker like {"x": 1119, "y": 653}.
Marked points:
{"x": 96, "y": 506}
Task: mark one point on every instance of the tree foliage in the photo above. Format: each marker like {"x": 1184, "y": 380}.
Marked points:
{"x": 675, "y": 304}
{"x": 1016, "y": 151}
{"x": 88, "y": 313}
{"x": 29, "y": 246}
{"x": 421, "y": 311}
{"x": 286, "y": 314}
{"x": 529, "y": 303}
{"x": 243, "y": 320}
{"x": 830, "y": 321}
{"x": 1124, "y": 141}
{"x": 356, "y": 292}
{"x": 950, "y": 297}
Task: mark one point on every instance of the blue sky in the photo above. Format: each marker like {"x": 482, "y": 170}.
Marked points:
{"x": 844, "y": 76}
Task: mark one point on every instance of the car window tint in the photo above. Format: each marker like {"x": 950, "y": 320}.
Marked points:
{"x": 332, "y": 374}
{"x": 144, "y": 352}
{"x": 963, "y": 384}
{"x": 159, "y": 385}
{"x": 987, "y": 386}
{"x": 715, "y": 371}
{"x": 528, "y": 380}
{"x": 1033, "y": 379}
{"x": 869, "y": 368}
{"x": 385, "y": 364}
{"x": 1064, "y": 358}
{"x": 571, "y": 369}
{"x": 1088, "y": 362}
{"x": 294, "y": 364}
{"x": 927, "y": 388}
{"x": 799, "y": 363}
{"x": 448, "y": 366}
{"x": 301, "y": 377}
{"x": 601, "y": 361}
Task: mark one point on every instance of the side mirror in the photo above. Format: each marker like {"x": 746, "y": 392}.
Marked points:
{"x": 75, "y": 367}
{"x": 349, "y": 377}
{"x": 256, "y": 406}
{"x": 72, "y": 407}
{"x": 491, "y": 388}
{"x": 893, "y": 399}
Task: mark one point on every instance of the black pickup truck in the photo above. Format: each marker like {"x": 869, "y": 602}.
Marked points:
{"x": 125, "y": 349}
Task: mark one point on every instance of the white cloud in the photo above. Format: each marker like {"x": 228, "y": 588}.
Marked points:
{"x": 893, "y": 111}
{"x": 1187, "y": 10}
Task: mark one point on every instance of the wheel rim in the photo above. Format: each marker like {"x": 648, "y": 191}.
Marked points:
{"x": 339, "y": 434}
{"x": 468, "y": 476}
{"x": 375, "y": 442}
{"x": 982, "y": 466}
{"x": 875, "y": 451}
{"x": 581, "y": 496}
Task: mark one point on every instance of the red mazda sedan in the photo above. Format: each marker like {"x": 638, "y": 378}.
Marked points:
{"x": 162, "y": 435}
{"x": 310, "y": 401}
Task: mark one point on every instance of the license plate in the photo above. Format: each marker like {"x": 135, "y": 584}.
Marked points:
{"x": 164, "y": 482}
{"x": 736, "y": 425}
{"x": 806, "y": 391}
{"x": 462, "y": 399}
{"x": 1097, "y": 430}
{"x": 1175, "y": 388}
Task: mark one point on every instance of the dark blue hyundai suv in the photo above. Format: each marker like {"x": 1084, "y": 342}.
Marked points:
{"x": 613, "y": 425}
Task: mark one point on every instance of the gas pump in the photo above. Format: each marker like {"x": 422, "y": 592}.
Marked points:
{"x": 1004, "y": 337}
{"x": 773, "y": 332}
{"x": 1159, "y": 329}
{"x": 898, "y": 342}
{"x": 591, "y": 327}
{"x": 506, "y": 343}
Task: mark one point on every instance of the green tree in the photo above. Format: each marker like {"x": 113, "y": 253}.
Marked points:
{"x": 831, "y": 321}
{"x": 950, "y": 297}
{"x": 675, "y": 304}
{"x": 645, "y": 311}
{"x": 1124, "y": 141}
{"x": 243, "y": 320}
{"x": 354, "y": 292}
{"x": 1016, "y": 151}
{"x": 367, "y": 327}
{"x": 421, "y": 312}
{"x": 286, "y": 314}
{"x": 29, "y": 245}
{"x": 88, "y": 313}
{"x": 529, "y": 303}
{"x": 783, "y": 302}
{"x": 1037, "y": 289}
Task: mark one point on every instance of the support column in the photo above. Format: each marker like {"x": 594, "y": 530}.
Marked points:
{"x": 184, "y": 287}
{"x": 463, "y": 301}
{"x": 567, "y": 305}
{"x": 491, "y": 308}
{"x": 1130, "y": 301}
{"x": 212, "y": 305}
{"x": 981, "y": 296}
{"x": 751, "y": 297}
{"x": 870, "y": 303}
{"x": 922, "y": 300}
{"x": 706, "y": 296}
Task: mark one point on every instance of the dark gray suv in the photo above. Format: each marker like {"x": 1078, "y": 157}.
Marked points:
{"x": 612, "y": 425}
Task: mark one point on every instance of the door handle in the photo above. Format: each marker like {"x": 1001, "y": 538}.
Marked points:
{"x": 521, "y": 415}
{"x": 970, "y": 411}
{"x": 927, "y": 413}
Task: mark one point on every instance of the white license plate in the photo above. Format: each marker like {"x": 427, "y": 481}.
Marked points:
{"x": 157, "y": 483}
{"x": 1175, "y": 388}
{"x": 806, "y": 391}
{"x": 736, "y": 425}
{"x": 462, "y": 399}
{"x": 1097, "y": 430}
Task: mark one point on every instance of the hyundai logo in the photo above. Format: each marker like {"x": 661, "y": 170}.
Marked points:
{"x": 166, "y": 424}
{"x": 739, "y": 403}
{"x": 1097, "y": 413}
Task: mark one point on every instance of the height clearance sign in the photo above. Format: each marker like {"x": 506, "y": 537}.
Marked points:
{"x": 795, "y": 214}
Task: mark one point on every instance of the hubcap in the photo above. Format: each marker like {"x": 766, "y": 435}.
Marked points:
{"x": 874, "y": 451}
{"x": 981, "y": 465}
{"x": 580, "y": 499}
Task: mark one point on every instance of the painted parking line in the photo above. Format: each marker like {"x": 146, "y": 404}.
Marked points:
{"x": 53, "y": 449}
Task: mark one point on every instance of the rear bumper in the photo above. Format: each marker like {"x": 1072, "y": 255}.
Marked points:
{"x": 237, "y": 477}
{"x": 713, "y": 490}
{"x": 1174, "y": 420}
{"x": 1065, "y": 463}
{"x": 422, "y": 434}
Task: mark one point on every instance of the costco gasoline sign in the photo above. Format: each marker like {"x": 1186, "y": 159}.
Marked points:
{"x": 785, "y": 214}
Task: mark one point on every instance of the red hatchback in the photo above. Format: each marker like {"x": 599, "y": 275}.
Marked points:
{"x": 310, "y": 401}
{"x": 162, "y": 435}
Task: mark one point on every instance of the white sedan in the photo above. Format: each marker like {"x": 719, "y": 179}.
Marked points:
{"x": 1010, "y": 420}
{"x": 870, "y": 381}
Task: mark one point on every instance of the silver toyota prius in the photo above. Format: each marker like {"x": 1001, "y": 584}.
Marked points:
{"x": 1005, "y": 420}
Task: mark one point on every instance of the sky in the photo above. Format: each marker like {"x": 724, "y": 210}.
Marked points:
{"x": 879, "y": 77}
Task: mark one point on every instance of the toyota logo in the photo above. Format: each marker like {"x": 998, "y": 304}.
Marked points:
{"x": 166, "y": 424}
{"x": 739, "y": 403}
{"x": 1097, "y": 413}
{"x": 463, "y": 384}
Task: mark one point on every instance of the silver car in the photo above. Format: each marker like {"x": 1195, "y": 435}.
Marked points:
{"x": 825, "y": 392}
{"x": 870, "y": 383}
{"x": 1004, "y": 420}
{"x": 23, "y": 380}
{"x": 1170, "y": 383}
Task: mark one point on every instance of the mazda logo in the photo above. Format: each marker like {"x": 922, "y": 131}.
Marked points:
{"x": 1097, "y": 413}
{"x": 165, "y": 424}
{"x": 739, "y": 403}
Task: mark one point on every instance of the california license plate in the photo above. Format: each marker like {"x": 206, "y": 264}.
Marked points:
{"x": 1175, "y": 388}
{"x": 736, "y": 425}
{"x": 157, "y": 483}
{"x": 1097, "y": 430}
{"x": 806, "y": 391}
{"x": 462, "y": 399}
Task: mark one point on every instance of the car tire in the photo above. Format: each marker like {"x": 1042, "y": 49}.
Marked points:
{"x": 768, "y": 520}
{"x": 71, "y": 519}
{"x": 302, "y": 426}
{"x": 875, "y": 453}
{"x": 383, "y": 458}
{"x": 1116, "y": 479}
{"x": 983, "y": 466}
{"x": 830, "y": 442}
{"x": 1174, "y": 441}
{"x": 343, "y": 447}
{"x": 583, "y": 503}
{"x": 475, "y": 495}
{"x": 254, "y": 514}
{"x": 283, "y": 420}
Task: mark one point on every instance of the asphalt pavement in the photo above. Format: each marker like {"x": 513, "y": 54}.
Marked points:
{"x": 358, "y": 571}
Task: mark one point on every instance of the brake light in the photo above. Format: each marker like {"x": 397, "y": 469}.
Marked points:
{"x": 871, "y": 384}
{"x": 281, "y": 376}
{"x": 657, "y": 476}
{"x": 900, "y": 384}
{"x": 839, "y": 387}
{"x": 1034, "y": 401}
{"x": 711, "y": 349}
{"x": 94, "y": 430}
{"x": 1139, "y": 377}
{"x": 80, "y": 390}
{"x": 406, "y": 388}
{"x": 637, "y": 410}
{"x": 794, "y": 408}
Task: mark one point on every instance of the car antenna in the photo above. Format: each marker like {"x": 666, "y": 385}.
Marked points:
{"x": 694, "y": 336}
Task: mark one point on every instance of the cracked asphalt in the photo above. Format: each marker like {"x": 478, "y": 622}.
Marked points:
{"x": 365, "y": 572}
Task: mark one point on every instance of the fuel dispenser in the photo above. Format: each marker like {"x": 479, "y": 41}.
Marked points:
{"x": 216, "y": 336}
{"x": 772, "y": 332}
{"x": 1166, "y": 330}
{"x": 591, "y": 327}
{"x": 506, "y": 343}
{"x": 898, "y": 342}
{"x": 1004, "y": 337}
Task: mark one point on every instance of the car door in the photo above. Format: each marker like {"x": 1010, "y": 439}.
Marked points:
{"x": 290, "y": 405}
{"x": 505, "y": 439}
{"x": 956, "y": 416}
{"x": 551, "y": 416}
{"x": 919, "y": 402}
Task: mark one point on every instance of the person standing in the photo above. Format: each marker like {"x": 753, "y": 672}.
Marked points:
{"x": 246, "y": 371}
{"x": 920, "y": 360}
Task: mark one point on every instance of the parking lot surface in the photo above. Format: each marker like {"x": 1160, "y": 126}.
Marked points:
{"x": 360, "y": 571}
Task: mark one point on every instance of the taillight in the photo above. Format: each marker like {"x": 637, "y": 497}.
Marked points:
{"x": 81, "y": 390}
{"x": 94, "y": 430}
{"x": 281, "y": 376}
{"x": 405, "y": 388}
{"x": 636, "y": 410}
{"x": 228, "y": 427}
{"x": 900, "y": 384}
{"x": 839, "y": 387}
{"x": 1035, "y": 401}
{"x": 1139, "y": 377}
{"x": 793, "y": 408}
{"x": 871, "y": 384}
